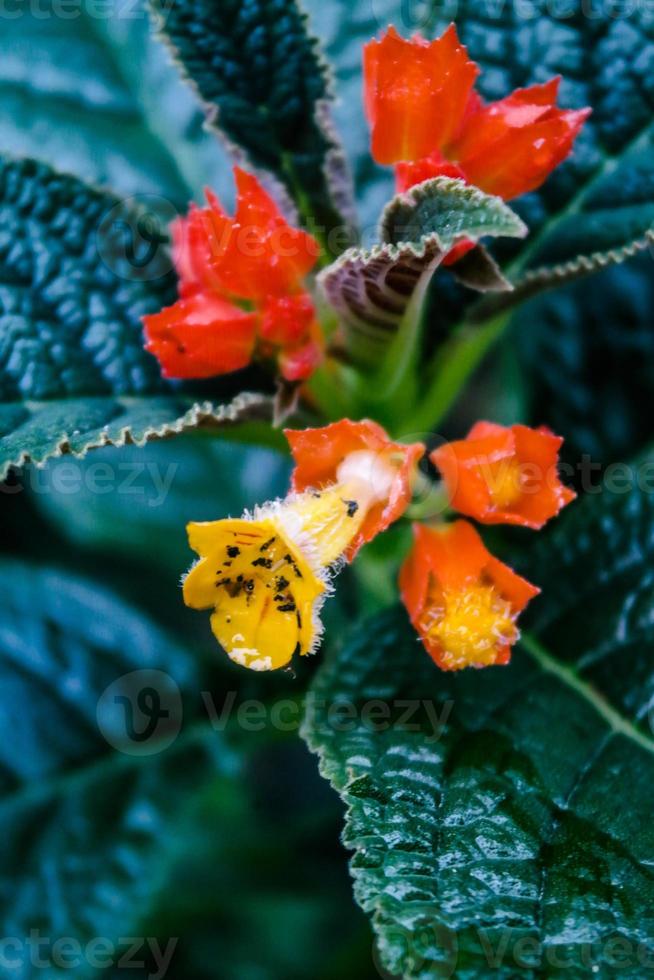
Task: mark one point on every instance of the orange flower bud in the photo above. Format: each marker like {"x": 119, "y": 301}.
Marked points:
{"x": 200, "y": 336}
{"x": 426, "y": 118}
{"x": 415, "y": 93}
{"x": 240, "y": 282}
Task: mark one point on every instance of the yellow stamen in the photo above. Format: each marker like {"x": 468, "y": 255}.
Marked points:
{"x": 505, "y": 482}
{"x": 327, "y": 520}
{"x": 471, "y": 625}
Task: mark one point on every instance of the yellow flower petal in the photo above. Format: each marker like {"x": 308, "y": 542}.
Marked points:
{"x": 261, "y": 588}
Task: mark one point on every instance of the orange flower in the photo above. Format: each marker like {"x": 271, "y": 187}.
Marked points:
{"x": 363, "y": 452}
{"x": 426, "y": 117}
{"x": 240, "y": 283}
{"x": 462, "y": 601}
{"x": 502, "y": 475}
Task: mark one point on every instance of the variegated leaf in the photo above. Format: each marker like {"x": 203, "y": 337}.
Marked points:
{"x": 371, "y": 289}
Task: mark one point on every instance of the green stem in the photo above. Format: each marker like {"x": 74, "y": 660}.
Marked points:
{"x": 391, "y": 392}
{"x": 452, "y": 367}
{"x": 333, "y": 391}
{"x": 431, "y": 501}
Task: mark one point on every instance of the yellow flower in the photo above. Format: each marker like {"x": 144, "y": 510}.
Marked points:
{"x": 266, "y": 575}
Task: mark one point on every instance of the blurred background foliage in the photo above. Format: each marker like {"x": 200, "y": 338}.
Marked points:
{"x": 227, "y": 840}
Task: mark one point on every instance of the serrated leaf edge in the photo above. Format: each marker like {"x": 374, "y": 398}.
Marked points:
{"x": 247, "y": 405}
{"x": 467, "y": 192}
{"x": 585, "y": 264}
{"x": 335, "y": 161}
{"x": 540, "y": 279}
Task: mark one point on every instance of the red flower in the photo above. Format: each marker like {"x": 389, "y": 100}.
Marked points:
{"x": 240, "y": 283}
{"x": 201, "y": 336}
{"x": 359, "y": 452}
{"x": 415, "y": 93}
{"x": 462, "y": 601}
{"x": 261, "y": 255}
{"x": 426, "y": 117}
{"x": 504, "y": 475}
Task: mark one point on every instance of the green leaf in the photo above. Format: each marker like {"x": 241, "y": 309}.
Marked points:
{"x": 156, "y": 491}
{"x": 343, "y": 29}
{"x": 264, "y": 85}
{"x": 373, "y": 289}
{"x": 547, "y": 277}
{"x": 89, "y": 815}
{"x": 104, "y": 102}
{"x": 450, "y": 209}
{"x": 610, "y": 218}
{"x": 487, "y": 809}
{"x": 78, "y": 268}
{"x": 589, "y": 357}
{"x": 34, "y": 431}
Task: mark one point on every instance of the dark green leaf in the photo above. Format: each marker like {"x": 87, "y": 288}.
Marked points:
{"x": 500, "y": 817}
{"x": 264, "y": 85}
{"x": 78, "y": 268}
{"x": 88, "y": 812}
{"x": 589, "y": 355}
{"x": 547, "y": 277}
{"x": 34, "y": 431}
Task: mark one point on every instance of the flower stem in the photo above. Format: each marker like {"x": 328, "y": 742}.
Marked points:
{"x": 392, "y": 391}
{"x": 451, "y": 367}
